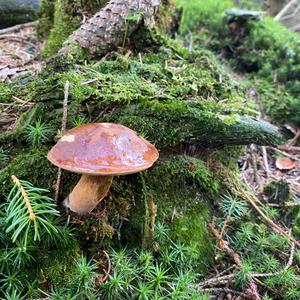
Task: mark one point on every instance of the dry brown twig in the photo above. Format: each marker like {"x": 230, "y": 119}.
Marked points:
{"x": 63, "y": 128}
{"x": 226, "y": 290}
{"x": 254, "y": 201}
{"x": 265, "y": 159}
{"x": 254, "y": 164}
{"x": 219, "y": 279}
{"x": 17, "y": 39}
{"x": 252, "y": 288}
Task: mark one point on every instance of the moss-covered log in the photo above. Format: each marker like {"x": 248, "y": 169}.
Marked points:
{"x": 17, "y": 11}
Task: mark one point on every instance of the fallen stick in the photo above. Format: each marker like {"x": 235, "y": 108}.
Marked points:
{"x": 252, "y": 287}
{"x": 63, "y": 128}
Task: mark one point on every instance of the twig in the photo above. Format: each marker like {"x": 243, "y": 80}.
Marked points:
{"x": 286, "y": 204}
{"x": 108, "y": 268}
{"x": 23, "y": 102}
{"x": 265, "y": 159}
{"x": 253, "y": 200}
{"x": 17, "y": 27}
{"x": 284, "y": 153}
{"x": 224, "y": 246}
{"x": 254, "y": 161}
{"x": 252, "y": 288}
{"x": 290, "y": 16}
{"x": 226, "y": 290}
{"x": 285, "y": 9}
{"x": 63, "y": 128}
{"x": 224, "y": 279}
{"x": 289, "y": 148}
{"x": 293, "y": 141}
{"x": 25, "y": 197}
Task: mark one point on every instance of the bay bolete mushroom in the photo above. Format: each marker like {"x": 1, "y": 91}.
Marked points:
{"x": 99, "y": 151}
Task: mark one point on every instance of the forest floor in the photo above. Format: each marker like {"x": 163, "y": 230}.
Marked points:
{"x": 19, "y": 54}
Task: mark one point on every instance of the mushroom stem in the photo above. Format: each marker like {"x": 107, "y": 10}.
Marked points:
{"x": 88, "y": 192}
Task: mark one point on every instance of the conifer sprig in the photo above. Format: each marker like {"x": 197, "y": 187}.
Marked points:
{"x": 28, "y": 212}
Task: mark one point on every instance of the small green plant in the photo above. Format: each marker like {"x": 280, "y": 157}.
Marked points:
{"x": 29, "y": 213}
{"x": 233, "y": 207}
{"x": 79, "y": 121}
{"x": 38, "y": 133}
{"x": 144, "y": 275}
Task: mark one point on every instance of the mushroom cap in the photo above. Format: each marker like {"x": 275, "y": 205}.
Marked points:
{"x": 285, "y": 163}
{"x": 103, "y": 149}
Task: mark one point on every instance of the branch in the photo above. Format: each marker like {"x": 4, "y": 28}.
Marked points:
{"x": 25, "y": 197}
{"x": 285, "y": 9}
{"x": 253, "y": 200}
{"x": 17, "y": 27}
{"x": 252, "y": 288}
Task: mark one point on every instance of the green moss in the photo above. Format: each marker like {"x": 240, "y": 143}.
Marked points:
{"x": 203, "y": 13}
{"x": 191, "y": 229}
{"x": 183, "y": 201}
{"x": 59, "y": 18}
{"x": 264, "y": 48}
{"x": 45, "y": 18}
{"x": 31, "y": 165}
{"x": 64, "y": 23}
{"x": 5, "y": 93}
{"x": 277, "y": 101}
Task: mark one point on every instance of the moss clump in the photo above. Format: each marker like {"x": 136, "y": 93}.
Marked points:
{"x": 29, "y": 165}
{"x": 5, "y": 93}
{"x": 191, "y": 229}
{"x": 183, "y": 200}
{"x": 277, "y": 191}
{"x": 277, "y": 101}
{"x": 45, "y": 18}
{"x": 264, "y": 48}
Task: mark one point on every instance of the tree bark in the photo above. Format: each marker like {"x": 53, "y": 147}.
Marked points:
{"x": 17, "y": 11}
{"x": 110, "y": 27}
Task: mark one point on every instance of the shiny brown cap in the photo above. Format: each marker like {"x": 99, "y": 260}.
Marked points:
{"x": 103, "y": 149}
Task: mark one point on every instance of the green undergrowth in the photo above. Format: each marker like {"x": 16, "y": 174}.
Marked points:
{"x": 187, "y": 193}
{"x": 184, "y": 102}
{"x": 43, "y": 256}
{"x": 260, "y": 248}
{"x": 181, "y": 187}
{"x": 263, "y": 48}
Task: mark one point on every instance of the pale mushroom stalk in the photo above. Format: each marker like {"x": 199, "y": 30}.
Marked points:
{"x": 92, "y": 189}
